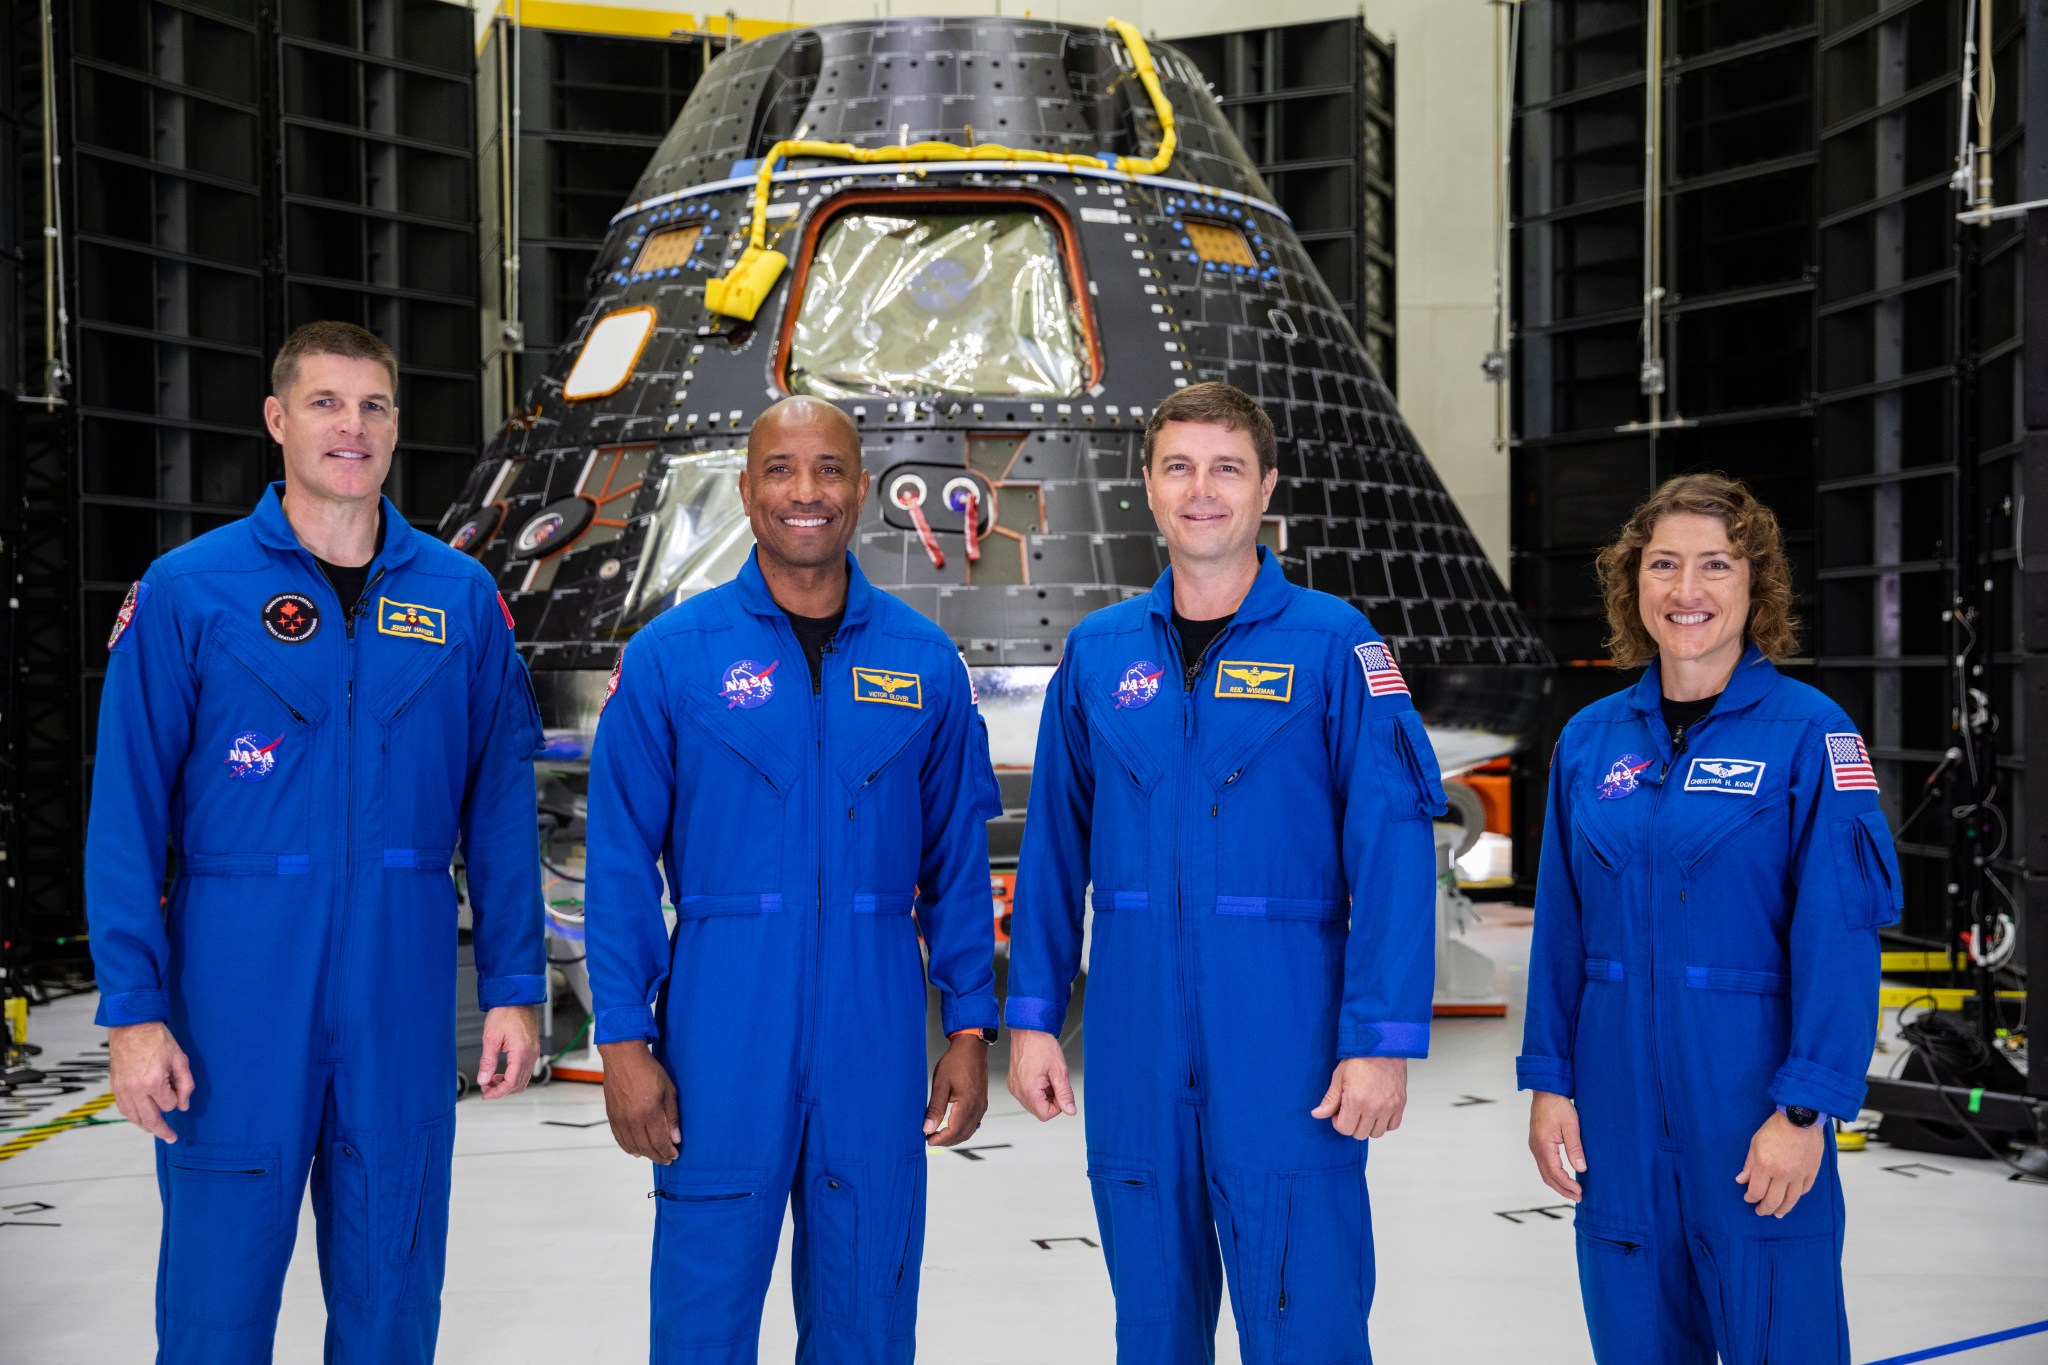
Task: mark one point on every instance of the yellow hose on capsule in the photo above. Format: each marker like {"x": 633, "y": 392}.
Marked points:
{"x": 741, "y": 291}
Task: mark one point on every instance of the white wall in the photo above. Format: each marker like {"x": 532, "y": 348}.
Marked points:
{"x": 1443, "y": 75}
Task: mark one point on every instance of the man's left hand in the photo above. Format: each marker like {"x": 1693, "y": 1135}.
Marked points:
{"x": 1784, "y": 1161}
{"x": 959, "y": 1081}
{"x": 515, "y": 1031}
{"x": 1366, "y": 1096}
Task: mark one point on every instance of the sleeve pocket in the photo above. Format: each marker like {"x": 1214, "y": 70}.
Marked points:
{"x": 1421, "y": 796}
{"x": 1871, "y": 896}
{"x": 988, "y": 792}
{"x": 527, "y": 736}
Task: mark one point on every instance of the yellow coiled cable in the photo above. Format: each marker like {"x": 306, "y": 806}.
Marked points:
{"x": 741, "y": 291}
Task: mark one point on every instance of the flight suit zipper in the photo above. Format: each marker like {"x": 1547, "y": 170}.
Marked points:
{"x": 337, "y": 973}
{"x": 1656, "y": 903}
{"x": 1191, "y": 675}
{"x": 818, "y": 773}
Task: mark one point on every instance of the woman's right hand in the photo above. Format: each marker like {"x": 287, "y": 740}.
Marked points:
{"x": 1554, "y": 1123}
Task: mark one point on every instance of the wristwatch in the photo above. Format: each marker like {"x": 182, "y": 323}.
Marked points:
{"x": 987, "y": 1035}
{"x": 1799, "y": 1116}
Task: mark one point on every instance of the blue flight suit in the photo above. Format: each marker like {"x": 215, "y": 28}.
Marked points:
{"x": 1264, "y": 877}
{"x": 1705, "y": 950}
{"x": 809, "y": 840}
{"x": 311, "y": 767}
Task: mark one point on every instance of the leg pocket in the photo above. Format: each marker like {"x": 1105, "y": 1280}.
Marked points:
{"x": 1127, "y": 1210}
{"x": 1619, "y": 1287}
{"x": 832, "y": 1246}
{"x": 1322, "y": 1267}
{"x": 419, "y": 1245}
{"x": 708, "y": 1259}
{"x": 225, "y": 1241}
{"x": 900, "y": 1271}
{"x": 1805, "y": 1319}
{"x": 344, "y": 1220}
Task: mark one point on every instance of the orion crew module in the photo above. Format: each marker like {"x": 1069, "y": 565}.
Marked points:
{"x": 995, "y": 243}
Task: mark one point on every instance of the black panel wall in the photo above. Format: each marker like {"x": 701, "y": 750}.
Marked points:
{"x": 592, "y": 109}
{"x": 1832, "y": 334}
{"x": 1313, "y": 105}
{"x": 232, "y": 168}
{"x": 1736, "y": 236}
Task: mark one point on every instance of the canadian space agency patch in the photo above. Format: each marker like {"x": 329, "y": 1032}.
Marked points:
{"x": 291, "y": 617}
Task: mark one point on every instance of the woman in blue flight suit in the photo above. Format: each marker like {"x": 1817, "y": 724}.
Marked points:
{"x": 1703, "y": 977}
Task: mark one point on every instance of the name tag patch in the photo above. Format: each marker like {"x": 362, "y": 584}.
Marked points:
{"x": 1263, "y": 682}
{"x": 412, "y": 621}
{"x": 1736, "y": 776}
{"x": 888, "y": 687}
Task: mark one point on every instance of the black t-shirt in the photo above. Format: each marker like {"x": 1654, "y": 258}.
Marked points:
{"x": 815, "y": 634}
{"x": 349, "y": 582}
{"x": 1195, "y": 639}
{"x": 1681, "y": 716}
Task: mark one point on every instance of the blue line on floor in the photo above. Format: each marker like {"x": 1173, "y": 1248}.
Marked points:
{"x": 1972, "y": 1344}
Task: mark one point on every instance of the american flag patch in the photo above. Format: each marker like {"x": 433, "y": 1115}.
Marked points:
{"x": 1382, "y": 677}
{"x": 1849, "y": 762}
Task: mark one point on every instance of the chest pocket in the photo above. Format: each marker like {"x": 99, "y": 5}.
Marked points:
{"x": 737, "y": 739}
{"x": 1126, "y": 775}
{"x": 1122, "y": 734}
{"x": 1713, "y": 827}
{"x": 423, "y": 750}
{"x": 1602, "y": 849}
{"x": 1247, "y": 751}
{"x": 257, "y": 755}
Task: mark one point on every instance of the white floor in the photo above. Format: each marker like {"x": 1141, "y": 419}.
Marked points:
{"x": 548, "y": 1258}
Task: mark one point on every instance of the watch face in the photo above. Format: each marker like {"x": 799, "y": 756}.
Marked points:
{"x": 988, "y": 1035}
{"x": 1801, "y": 1118}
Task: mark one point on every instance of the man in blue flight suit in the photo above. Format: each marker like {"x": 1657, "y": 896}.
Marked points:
{"x": 803, "y": 755}
{"x": 1704, "y": 968}
{"x": 311, "y": 706}
{"x": 1235, "y": 765}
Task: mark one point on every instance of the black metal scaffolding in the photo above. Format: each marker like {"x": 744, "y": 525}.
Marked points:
{"x": 230, "y": 169}
{"x": 1800, "y": 307}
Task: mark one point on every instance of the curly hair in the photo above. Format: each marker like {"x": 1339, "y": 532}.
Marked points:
{"x": 1753, "y": 535}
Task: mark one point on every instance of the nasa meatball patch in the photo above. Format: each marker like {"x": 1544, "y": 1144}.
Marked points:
{"x": 1735, "y": 776}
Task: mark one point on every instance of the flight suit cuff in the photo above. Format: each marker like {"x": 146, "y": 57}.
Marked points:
{"x": 495, "y": 991}
{"x": 967, "y": 1012}
{"x": 1024, "y": 1011}
{"x": 624, "y": 1024}
{"x": 1544, "y": 1073}
{"x": 132, "y": 1007}
{"x": 1806, "y": 1085}
{"x": 1385, "y": 1040}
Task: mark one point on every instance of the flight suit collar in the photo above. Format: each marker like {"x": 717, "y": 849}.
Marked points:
{"x": 1753, "y": 678}
{"x": 1270, "y": 591}
{"x": 755, "y": 597}
{"x": 274, "y": 529}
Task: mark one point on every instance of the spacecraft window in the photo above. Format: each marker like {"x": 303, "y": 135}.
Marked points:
{"x": 699, "y": 537}
{"x": 609, "y": 353}
{"x": 940, "y": 299}
{"x": 669, "y": 247}
{"x": 1221, "y": 243}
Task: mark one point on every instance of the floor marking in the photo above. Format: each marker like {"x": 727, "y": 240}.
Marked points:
{"x": 970, "y": 1152}
{"x": 43, "y": 1132}
{"x": 1549, "y": 1211}
{"x": 1910, "y": 1167}
{"x": 1468, "y": 1101}
{"x": 1970, "y": 1345}
{"x": 564, "y": 1123}
{"x": 1045, "y": 1243}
